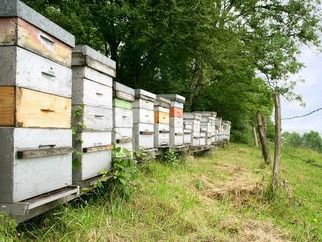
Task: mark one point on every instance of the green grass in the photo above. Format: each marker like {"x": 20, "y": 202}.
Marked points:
{"x": 222, "y": 195}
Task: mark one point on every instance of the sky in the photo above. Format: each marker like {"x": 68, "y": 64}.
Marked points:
{"x": 311, "y": 91}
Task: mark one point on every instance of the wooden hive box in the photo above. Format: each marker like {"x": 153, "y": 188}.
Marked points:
{"x": 20, "y": 107}
{"x": 123, "y": 97}
{"x": 176, "y": 118}
{"x": 143, "y": 136}
{"x": 33, "y": 162}
{"x": 192, "y": 121}
{"x": 96, "y": 157}
{"x": 22, "y": 68}
{"x": 187, "y": 136}
{"x": 143, "y": 107}
{"x": 22, "y": 26}
{"x": 84, "y": 55}
{"x": 162, "y": 122}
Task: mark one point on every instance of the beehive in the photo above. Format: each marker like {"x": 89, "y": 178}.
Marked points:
{"x": 176, "y": 118}
{"x": 162, "y": 122}
{"x": 123, "y": 98}
{"x": 192, "y": 122}
{"x": 92, "y": 112}
{"x": 35, "y": 104}
{"x": 143, "y": 120}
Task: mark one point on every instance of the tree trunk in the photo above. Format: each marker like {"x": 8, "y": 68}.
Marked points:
{"x": 255, "y": 136}
{"x": 278, "y": 129}
{"x": 262, "y": 137}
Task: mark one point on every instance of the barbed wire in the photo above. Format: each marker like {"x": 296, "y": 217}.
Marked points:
{"x": 304, "y": 115}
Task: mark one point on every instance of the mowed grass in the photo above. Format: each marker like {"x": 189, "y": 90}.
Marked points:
{"x": 221, "y": 195}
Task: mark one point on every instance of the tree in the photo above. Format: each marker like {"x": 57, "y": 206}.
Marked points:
{"x": 312, "y": 140}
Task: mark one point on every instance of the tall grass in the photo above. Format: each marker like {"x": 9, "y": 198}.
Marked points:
{"x": 222, "y": 195}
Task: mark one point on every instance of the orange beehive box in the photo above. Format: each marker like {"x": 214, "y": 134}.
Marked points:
{"x": 176, "y": 112}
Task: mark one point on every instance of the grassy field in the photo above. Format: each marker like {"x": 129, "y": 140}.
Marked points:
{"x": 222, "y": 195}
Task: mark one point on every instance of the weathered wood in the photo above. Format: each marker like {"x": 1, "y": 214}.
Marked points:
{"x": 91, "y": 93}
{"x": 162, "y": 117}
{"x": 19, "y": 67}
{"x": 97, "y": 148}
{"x": 143, "y": 116}
{"x": 123, "y": 92}
{"x": 176, "y": 122}
{"x": 162, "y": 102}
{"x": 176, "y": 112}
{"x": 92, "y": 164}
{"x": 15, "y": 31}
{"x": 144, "y": 104}
{"x": 262, "y": 137}
{"x": 7, "y": 106}
{"x": 33, "y": 109}
{"x": 123, "y": 140}
{"x": 143, "y": 134}
{"x": 22, "y": 179}
{"x": 145, "y": 95}
{"x": 173, "y": 97}
{"x": 278, "y": 130}
{"x": 123, "y": 118}
{"x": 84, "y": 55}
{"x": 15, "y": 8}
{"x": 27, "y": 154}
{"x": 80, "y": 72}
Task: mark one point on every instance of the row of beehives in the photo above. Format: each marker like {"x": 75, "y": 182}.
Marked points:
{"x": 60, "y": 111}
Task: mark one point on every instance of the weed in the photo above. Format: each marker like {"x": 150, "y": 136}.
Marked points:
{"x": 123, "y": 175}
{"x": 170, "y": 156}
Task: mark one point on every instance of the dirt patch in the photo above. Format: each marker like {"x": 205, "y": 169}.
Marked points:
{"x": 240, "y": 188}
{"x": 245, "y": 230}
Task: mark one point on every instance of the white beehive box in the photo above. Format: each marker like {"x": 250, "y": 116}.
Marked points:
{"x": 96, "y": 154}
{"x": 22, "y": 68}
{"x": 187, "y": 136}
{"x": 34, "y": 162}
{"x": 161, "y": 135}
{"x": 162, "y": 122}
{"x": 92, "y": 103}
{"x": 143, "y": 136}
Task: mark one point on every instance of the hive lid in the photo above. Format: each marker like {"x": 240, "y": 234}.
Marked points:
{"x": 173, "y": 97}
{"x": 84, "y": 55}
{"x": 142, "y": 94}
{"x": 123, "y": 92}
{"x": 196, "y": 116}
{"x": 207, "y": 113}
{"x": 163, "y": 102}
{"x": 15, "y": 8}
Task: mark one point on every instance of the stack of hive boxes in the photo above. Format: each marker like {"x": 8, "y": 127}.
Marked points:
{"x": 218, "y": 129}
{"x": 206, "y": 128}
{"x": 208, "y": 125}
{"x": 161, "y": 122}
{"x": 143, "y": 120}
{"x": 35, "y": 104}
{"x": 92, "y": 112}
{"x": 176, "y": 118}
{"x": 226, "y": 130}
{"x": 192, "y": 122}
{"x": 123, "y": 98}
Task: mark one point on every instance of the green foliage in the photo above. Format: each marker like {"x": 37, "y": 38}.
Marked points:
{"x": 311, "y": 140}
{"x": 7, "y": 228}
{"x": 170, "y": 156}
{"x": 124, "y": 172}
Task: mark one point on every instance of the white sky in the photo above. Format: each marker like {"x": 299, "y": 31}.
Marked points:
{"x": 311, "y": 92}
